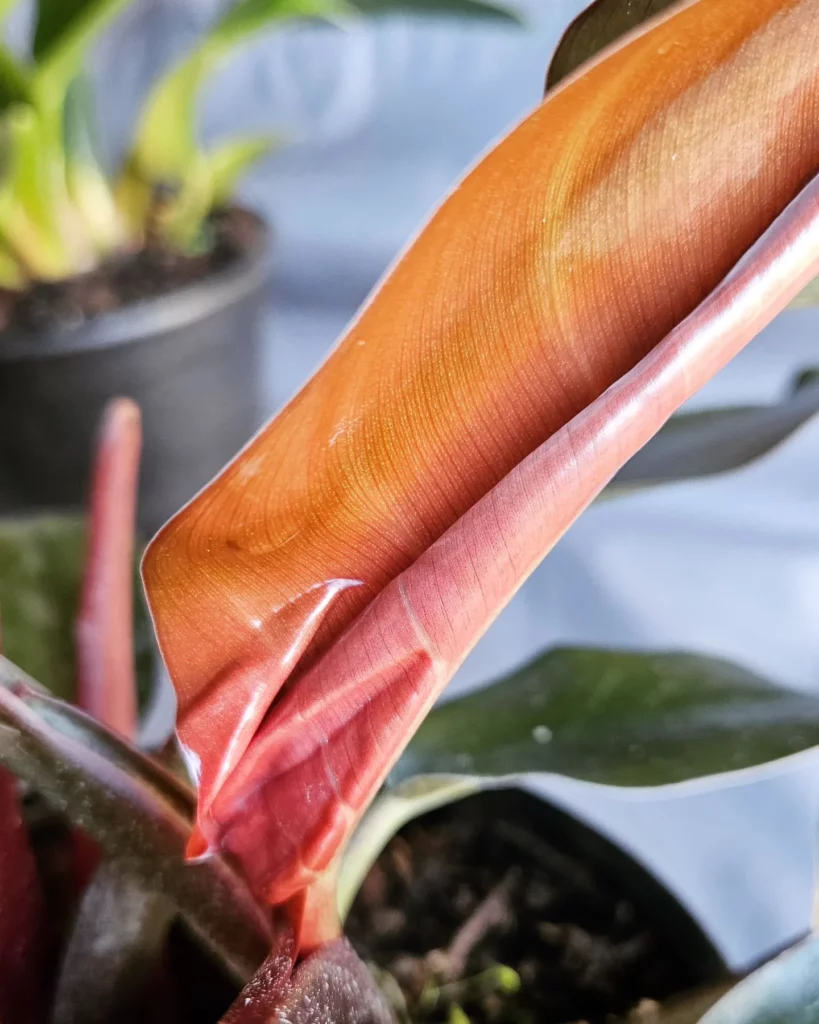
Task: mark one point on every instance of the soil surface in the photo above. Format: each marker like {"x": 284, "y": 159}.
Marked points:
{"x": 154, "y": 270}
{"x": 472, "y": 917}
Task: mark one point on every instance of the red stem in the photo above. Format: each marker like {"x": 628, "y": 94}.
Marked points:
{"x": 105, "y": 644}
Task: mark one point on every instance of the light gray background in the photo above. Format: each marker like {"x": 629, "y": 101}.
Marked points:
{"x": 380, "y": 120}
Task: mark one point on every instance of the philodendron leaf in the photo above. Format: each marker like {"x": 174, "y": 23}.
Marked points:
{"x": 610, "y": 717}
{"x": 138, "y": 812}
{"x": 315, "y": 599}
{"x": 700, "y": 444}
{"x": 617, "y": 718}
{"x": 600, "y": 25}
{"x": 41, "y": 567}
{"x": 332, "y": 986}
{"x": 114, "y": 949}
{"x": 784, "y": 991}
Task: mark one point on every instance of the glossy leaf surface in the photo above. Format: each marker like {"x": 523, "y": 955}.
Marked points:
{"x": 112, "y": 956}
{"x": 784, "y": 991}
{"x": 610, "y": 717}
{"x": 617, "y": 718}
{"x": 567, "y": 297}
{"x": 139, "y": 813}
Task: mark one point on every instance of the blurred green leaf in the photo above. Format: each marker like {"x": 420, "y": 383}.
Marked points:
{"x": 617, "y": 718}
{"x": 35, "y": 217}
{"x": 209, "y": 184}
{"x": 41, "y": 564}
{"x": 112, "y": 955}
{"x": 41, "y": 567}
{"x": 140, "y": 814}
{"x": 88, "y": 184}
{"x": 701, "y": 444}
{"x": 600, "y": 25}
{"x": 15, "y": 80}
{"x": 64, "y": 32}
{"x": 6, "y": 6}
{"x": 784, "y": 991}
{"x": 808, "y": 297}
{"x": 229, "y": 162}
{"x": 166, "y": 145}
{"x": 442, "y": 8}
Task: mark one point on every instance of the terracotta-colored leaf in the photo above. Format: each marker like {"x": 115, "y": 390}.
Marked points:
{"x": 559, "y": 306}
{"x": 106, "y": 684}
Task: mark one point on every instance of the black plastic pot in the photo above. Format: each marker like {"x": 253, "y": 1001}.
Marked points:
{"x": 188, "y": 358}
{"x": 550, "y": 835}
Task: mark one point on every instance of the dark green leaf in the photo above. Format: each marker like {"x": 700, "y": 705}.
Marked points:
{"x": 15, "y": 81}
{"x": 596, "y": 28}
{"x": 439, "y": 8}
{"x": 139, "y": 813}
{"x": 784, "y": 991}
{"x": 113, "y": 952}
{"x": 702, "y": 444}
{"x": 627, "y": 719}
{"x": 64, "y": 32}
{"x": 616, "y": 718}
{"x": 41, "y": 566}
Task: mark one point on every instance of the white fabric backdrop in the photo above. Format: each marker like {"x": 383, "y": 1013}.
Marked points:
{"x": 381, "y": 119}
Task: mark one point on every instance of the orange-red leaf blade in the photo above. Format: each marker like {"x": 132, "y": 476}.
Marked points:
{"x": 338, "y": 731}
{"x": 562, "y": 260}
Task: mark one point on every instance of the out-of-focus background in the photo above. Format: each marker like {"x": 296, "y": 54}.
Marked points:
{"x": 379, "y": 120}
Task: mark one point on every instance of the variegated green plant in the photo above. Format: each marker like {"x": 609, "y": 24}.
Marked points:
{"x": 61, "y": 212}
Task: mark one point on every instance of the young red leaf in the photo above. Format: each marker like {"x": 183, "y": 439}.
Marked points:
{"x": 558, "y": 307}
{"x": 106, "y": 684}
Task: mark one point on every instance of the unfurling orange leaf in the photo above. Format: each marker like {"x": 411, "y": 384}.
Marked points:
{"x": 564, "y": 300}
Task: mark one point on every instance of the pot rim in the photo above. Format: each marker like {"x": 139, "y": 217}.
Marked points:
{"x": 146, "y": 318}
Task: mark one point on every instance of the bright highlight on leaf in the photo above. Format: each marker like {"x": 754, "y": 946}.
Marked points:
{"x": 593, "y": 271}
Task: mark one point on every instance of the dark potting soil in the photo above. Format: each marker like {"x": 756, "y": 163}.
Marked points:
{"x": 154, "y": 270}
{"x": 463, "y": 895}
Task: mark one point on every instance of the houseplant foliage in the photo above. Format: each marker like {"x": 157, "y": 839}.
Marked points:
{"x": 61, "y": 212}
{"x": 585, "y": 279}
{"x": 333, "y": 578}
